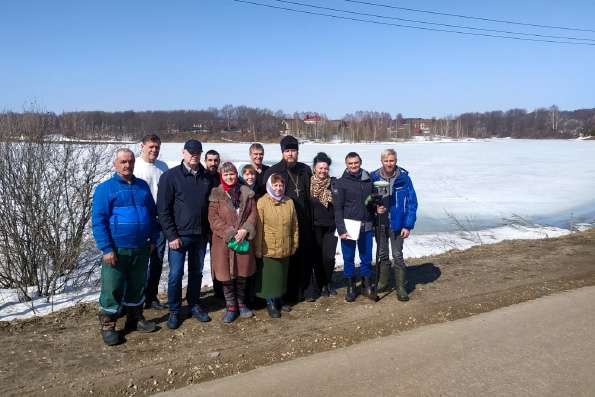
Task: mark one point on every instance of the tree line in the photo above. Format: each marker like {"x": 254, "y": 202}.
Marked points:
{"x": 235, "y": 123}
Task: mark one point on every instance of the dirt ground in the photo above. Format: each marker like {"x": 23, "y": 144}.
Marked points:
{"x": 62, "y": 354}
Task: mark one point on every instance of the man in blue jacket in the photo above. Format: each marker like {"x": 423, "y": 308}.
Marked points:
{"x": 394, "y": 221}
{"x": 182, "y": 204}
{"x": 124, "y": 220}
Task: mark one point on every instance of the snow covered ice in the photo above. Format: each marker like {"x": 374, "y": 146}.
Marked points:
{"x": 469, "y": 192}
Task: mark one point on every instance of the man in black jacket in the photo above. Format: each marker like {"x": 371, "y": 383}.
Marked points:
{"x": 212, "y": 161}
{"x": 256, "y": 153}
{"x": 352, "y": 200}
{"x": 297, "y": 187}
{"x": 182, "y": 204}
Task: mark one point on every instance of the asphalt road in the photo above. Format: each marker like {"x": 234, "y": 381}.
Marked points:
{"x": 544, "y": 347}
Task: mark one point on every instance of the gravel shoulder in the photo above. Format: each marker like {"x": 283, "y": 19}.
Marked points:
{"x": 62, "y": 354}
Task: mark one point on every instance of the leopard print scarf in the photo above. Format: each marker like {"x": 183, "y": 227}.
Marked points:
{"x": 321, "y": 190}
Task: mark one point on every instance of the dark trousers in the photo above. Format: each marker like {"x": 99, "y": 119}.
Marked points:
{"x": 300, "y": 275}
{"x": 155, "y": 269}
{"x": 295, "y": 275}
{"x": 383, "y": 236}
{"x": 195, "y": 246}
{"x": 325, "y": 247}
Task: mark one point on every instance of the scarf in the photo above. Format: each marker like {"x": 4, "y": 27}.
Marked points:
{"x": 233, "y": 191}
{"x": 389, "y": 179}
{"x": 271, "y": 192}
{"x": 320, "y": 189}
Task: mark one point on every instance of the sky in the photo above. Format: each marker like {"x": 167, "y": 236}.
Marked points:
{"x": 193, "y": 54}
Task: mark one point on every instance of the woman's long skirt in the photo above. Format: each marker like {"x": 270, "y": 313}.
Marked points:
{"x": 271, "y": 279}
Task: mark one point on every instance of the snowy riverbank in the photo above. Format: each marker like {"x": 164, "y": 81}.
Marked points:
{"x": 470, "y": 193}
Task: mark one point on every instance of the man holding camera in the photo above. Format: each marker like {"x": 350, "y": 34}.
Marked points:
{"x": 394, "y": 221}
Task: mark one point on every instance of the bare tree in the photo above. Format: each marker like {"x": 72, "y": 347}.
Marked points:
{"x": 46, "y": 188}
{"x": 555, "y": 115}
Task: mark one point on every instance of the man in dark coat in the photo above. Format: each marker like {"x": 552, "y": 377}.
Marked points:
{"x": 352, "y": 195}
{"x": 256, "y": 152}
{"x": 297, "y": 187}
{"x": 212, "y": 161}
{"x": 182, "y": 204}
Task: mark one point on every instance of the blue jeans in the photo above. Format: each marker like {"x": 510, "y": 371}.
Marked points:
{"x": 364, "y": 245}
{"x": 155, "y": 269}
{"x": 196, "y": 247}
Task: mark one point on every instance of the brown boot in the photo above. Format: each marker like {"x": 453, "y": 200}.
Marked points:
{"x": 109, "y": 334}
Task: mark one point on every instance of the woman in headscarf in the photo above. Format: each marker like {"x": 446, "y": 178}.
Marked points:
{"x": 276, "y": 240}
{"x": 232, "y": 215}
{"x": 323, "y": 214}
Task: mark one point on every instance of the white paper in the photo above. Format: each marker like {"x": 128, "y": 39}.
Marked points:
{"x": 353, "y": 228}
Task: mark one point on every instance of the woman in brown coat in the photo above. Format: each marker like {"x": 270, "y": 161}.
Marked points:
{"x": 232, "y": 215}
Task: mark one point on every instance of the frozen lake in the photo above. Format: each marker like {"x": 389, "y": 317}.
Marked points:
{"x": 470, "y": 193}
{"x": 483, "y": 184}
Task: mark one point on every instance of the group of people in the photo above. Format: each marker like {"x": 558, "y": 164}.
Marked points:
{"x": 272, "y": 231}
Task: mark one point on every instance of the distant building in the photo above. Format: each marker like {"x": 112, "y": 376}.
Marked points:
{"x": 312, "y": 119}
{"x": 414, "y": 126}
{"x": 421, "y": 126}
{"x": 197, "y": 127}
{"x": 297, "y": 126}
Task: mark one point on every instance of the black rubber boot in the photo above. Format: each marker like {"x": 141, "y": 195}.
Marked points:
{"x": 351, "y": 293}
{"x": 369, "y": 289}
{"x": 135, "y": 321}
{"x": 400, "y": 274}
{"x": 383, "y": 277}
{"x": 109, "y": 334}
{"x": 274, "y": 312}
{"x": 281, "y": 305}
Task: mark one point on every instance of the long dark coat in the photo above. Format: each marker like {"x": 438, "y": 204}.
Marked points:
{"x": 297, "y": 187}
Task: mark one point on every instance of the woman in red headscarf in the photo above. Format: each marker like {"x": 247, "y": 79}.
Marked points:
{"x": 232, "y": 215}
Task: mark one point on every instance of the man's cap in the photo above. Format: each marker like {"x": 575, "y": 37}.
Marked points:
{"x": 289, "y": 142}
{"x": 193, "y": 146}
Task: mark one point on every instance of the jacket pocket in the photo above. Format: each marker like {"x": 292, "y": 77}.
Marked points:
{"x": 114, "y": 226}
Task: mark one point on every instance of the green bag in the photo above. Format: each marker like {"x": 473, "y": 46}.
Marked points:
{"x": 240, "y": 248}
